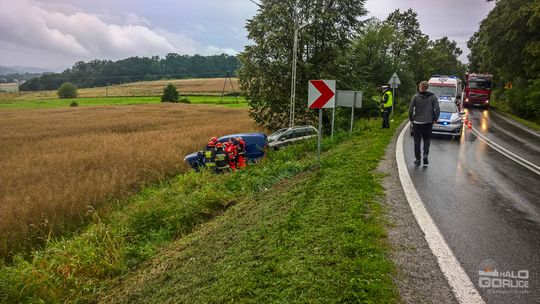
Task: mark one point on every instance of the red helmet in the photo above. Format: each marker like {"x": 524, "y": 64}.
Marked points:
{"x": 219, "y": 145}
{"x": 214, "y": 139}
{"x": 211, "y": 143}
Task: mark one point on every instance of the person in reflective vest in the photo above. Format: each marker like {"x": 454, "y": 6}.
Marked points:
{"x": 209, "y": 154}
{"x": 222, "y": 159}
{"x": 241, "y": 152}
{"x": 386, "y": 106}
{"x": 230, "y": 149}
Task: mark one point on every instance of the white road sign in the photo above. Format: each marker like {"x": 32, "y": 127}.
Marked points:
{"x": 321, "y": 94}
{"x": 394, "y": 81}
{"x": 347, "y": 99}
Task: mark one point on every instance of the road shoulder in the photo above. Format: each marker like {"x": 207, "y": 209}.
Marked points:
{"x": 418, "y": 276}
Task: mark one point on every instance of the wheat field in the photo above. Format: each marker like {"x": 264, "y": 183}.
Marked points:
{"x": 56, "y": 164}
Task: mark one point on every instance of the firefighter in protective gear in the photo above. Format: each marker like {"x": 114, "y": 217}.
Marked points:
{"x": 209, "y": 154}
{"x": 222, "y": 159}
{"x": 241, "y": 152}
{"x": 230, "y": 149}
{"x": 386, "y": 106}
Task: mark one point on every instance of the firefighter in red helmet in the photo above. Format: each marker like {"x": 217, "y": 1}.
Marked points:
{"x": 209, "y": 154}
{"x": 231, "y": 152}
{"x": 241, "y": 152}
{"x": 222, "y": 159}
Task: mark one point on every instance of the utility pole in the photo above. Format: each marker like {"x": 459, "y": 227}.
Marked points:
{"x": 297, "y": 28}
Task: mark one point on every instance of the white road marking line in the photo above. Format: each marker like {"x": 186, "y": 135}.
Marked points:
{"x": 462, "y": 287}
{"x": 525, "y": 163}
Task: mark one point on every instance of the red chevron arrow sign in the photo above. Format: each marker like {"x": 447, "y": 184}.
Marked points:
{"x": 321, "y": 94}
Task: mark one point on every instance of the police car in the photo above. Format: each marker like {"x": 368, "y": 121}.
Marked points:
{"x": 450, "y": 122}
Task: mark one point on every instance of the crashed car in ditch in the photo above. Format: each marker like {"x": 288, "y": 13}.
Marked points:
{"x": 289, "y": 136}
{"x": 255, "y": 149}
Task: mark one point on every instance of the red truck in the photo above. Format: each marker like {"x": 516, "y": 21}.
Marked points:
{"x": 477, "y": 89}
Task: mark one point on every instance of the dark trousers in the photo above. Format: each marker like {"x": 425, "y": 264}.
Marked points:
{"x": 386, "y": 117}
{"x": 422, "y": 132}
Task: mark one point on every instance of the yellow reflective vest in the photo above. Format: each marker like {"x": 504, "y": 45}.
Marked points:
{"x": 390, "y": 100}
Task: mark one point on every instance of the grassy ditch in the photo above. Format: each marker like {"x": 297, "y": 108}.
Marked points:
{"x": 293, "y": 231}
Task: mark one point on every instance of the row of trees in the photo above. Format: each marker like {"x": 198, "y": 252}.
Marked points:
{"x": 106, "y": 72}
{"x": 508, "y": 46}
{"x": 336, "y": 44}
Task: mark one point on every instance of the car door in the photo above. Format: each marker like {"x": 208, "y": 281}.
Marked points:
{"x": 286, "y": 139}
{"x": 300, "y": 134}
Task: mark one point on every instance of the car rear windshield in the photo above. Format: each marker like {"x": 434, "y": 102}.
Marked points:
{"x": 278, "y": 132}
{"x": 442, "y": 91}
{"x": 448, "y": 107}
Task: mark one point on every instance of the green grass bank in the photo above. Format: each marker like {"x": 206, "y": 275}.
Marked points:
{"x": 228, "y": 101}
{"x": 291, "y": 229}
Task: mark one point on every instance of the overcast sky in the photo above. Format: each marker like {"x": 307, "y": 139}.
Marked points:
{"x": 55, "y": 33}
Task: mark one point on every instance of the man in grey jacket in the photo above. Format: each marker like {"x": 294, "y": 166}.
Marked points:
{"x": 423, "y": 113}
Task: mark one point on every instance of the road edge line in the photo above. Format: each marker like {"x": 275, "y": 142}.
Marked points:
{"x": 462, "y": 287}
{"x": 509, "y": 154}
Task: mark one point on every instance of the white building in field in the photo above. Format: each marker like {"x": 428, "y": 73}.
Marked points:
{"x": 9, "y": 87}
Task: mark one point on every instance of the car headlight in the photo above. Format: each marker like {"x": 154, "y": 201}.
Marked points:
{"x": 456, "y": 121}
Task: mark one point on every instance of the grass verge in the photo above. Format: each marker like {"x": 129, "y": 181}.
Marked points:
{"x": 317, "y": 237}
{"x": 503, "y": 109}
{"x": 528, "y": 123}
{"x": 228, "y": 101}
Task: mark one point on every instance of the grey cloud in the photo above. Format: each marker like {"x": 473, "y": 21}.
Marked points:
{"x": 64, "y": 31}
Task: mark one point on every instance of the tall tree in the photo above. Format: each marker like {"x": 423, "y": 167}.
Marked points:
{"x": 265, "y": 74}
{"x": 507, "y": 44}
{"x": 408, "y": 32}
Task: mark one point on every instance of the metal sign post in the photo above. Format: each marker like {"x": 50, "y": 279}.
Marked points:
{"x": 349, "y": 99}
{"x": 333, "y": 119}
{"x": 352, "y": 113}
{"x": 320, "y": 135}
{"x": 394, "y": 101}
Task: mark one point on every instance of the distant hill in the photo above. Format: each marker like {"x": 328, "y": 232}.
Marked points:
{"x": 7, "y": 70}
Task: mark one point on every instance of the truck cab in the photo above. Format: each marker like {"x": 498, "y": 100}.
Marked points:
{"x": 478, "y": 89}
{"x": 446, "y": 88}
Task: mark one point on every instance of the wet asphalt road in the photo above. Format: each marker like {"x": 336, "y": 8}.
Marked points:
{"x": 486, "y": 205}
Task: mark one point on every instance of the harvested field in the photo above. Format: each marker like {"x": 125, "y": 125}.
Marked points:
{"x": 142, "y": 88}
{"x": 56, "y": 164}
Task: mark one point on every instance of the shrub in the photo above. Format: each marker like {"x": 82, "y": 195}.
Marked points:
{"x": 170, "y": 94}
{"x": 67, "y": 90}
{"x": 184, "y": 100}
{"x": 74, "y": 104}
